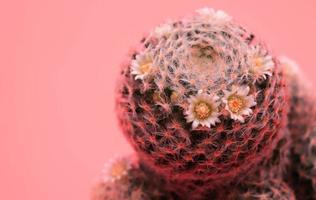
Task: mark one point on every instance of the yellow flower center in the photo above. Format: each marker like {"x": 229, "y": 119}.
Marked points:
{"x": 202, "y": 110}
{"x": 258, "y": 62}
{"x": 236, "y": 103}
{"x": 145, "y": 68}
{"x": 118, "y": 169}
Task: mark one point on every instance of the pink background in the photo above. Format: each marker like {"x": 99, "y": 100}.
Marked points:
{"x": 58, "y": 65}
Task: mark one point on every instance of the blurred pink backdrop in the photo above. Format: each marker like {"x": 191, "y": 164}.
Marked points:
{"x": 58, "y": 65}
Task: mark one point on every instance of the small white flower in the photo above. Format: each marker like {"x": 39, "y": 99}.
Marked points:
{"x": 162, "y": 30}
{"x": 238, "y": 103}
{"x": 214, "y": 16}
{"x": 203, "y": 109}
{"x": 142, "y": 66}
{"x": 116, "y": 169}
{"x": 261, "y": 65}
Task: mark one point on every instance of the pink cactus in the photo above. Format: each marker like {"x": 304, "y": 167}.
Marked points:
{"x": 206, "y": 106}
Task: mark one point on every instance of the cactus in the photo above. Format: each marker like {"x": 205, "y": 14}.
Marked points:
{"x": 201, "y": 100}
{"x": 211, "y": 114}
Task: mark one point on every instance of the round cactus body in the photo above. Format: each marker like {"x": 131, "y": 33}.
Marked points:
{"x": 201, "y": 100}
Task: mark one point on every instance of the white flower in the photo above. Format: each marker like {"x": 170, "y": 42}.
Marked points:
{"x": 142, "y": 66}
{"x": 238, "y": 102}
{"x": 116, "y": 169}
{"x": 261, "y": 65}
{"x": 162, "y": 30}
{"x": 212, "y": 15}
{"x": 203, "y": 109}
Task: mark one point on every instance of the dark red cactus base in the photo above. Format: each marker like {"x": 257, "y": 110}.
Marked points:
{"x": 211, "y": 115}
